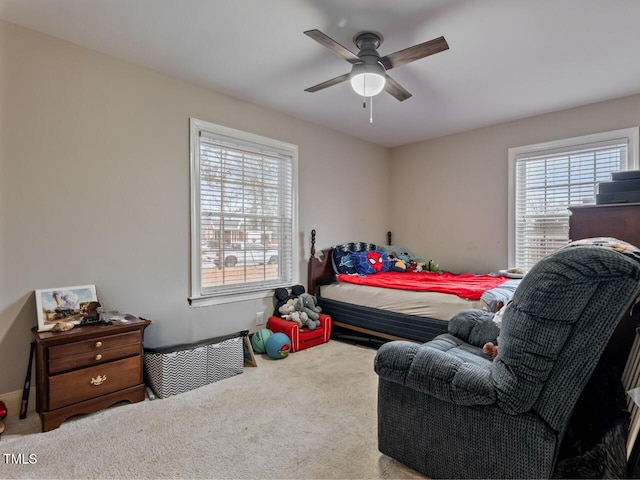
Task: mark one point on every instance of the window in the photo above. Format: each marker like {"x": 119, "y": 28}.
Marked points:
{"x": 545, "y": 179}
{"x": 244, "y": 217}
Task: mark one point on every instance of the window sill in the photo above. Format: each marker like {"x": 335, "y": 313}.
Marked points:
{"x": 208, "y": 301}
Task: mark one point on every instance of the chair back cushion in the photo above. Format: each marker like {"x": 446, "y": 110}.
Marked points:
{"x": 557, "y": 326}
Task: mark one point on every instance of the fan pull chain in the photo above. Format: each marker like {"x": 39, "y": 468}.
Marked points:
{"x": 371, "y": 110}
{"x": 364, "y": 103}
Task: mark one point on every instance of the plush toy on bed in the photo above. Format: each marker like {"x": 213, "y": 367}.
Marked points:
{"x": 431, "y": 266}
{"x": 400, "y": 253}
{"x": 417, "y": 266}
{"x": 397, "y": 265}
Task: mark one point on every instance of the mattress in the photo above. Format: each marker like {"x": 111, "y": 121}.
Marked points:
{"x": 441, "y": 306}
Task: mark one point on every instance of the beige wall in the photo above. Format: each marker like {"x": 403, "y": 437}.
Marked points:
{"x": 449, "y": 195}
{"x": 94, "y": 189}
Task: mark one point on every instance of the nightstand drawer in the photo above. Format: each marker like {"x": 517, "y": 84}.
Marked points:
{"x": 58, "y": 365}
{"x": 73, "y": 387}
{"x": 95, "y": 345}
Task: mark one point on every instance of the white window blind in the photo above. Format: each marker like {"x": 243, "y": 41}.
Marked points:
{"x": 245, "y": 212}
{"x": 547, "y": 182}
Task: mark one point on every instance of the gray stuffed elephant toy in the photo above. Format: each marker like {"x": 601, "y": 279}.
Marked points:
{"x": 307, "y": 303}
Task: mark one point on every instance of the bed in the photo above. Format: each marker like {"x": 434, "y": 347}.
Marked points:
{"x": 363, "y": 309}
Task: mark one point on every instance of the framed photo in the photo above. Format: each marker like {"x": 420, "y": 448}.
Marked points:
{"x": 249, "y": 357}
{"x": 64, "y": 304}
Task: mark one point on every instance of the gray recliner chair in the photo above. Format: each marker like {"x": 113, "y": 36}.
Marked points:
{"x": 450, "y": 411}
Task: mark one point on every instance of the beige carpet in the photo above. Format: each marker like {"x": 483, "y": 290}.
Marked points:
{"x": 311, "y": 415}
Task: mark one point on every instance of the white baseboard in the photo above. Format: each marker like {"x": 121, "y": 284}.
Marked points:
{"x": 13, "y": 400}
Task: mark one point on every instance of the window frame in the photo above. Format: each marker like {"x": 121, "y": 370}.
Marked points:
{"x": 196, "y": 298}
{"x": 631, "y": 134}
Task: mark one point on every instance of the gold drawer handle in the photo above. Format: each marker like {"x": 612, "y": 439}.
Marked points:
{"x": 99, "y": 380}
{"x": 98, "y": 357}
{"x": 98, "y": 344}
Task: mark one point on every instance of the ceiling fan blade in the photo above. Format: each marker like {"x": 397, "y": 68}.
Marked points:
{"x": 328, "y": 83}
{"x": 395, "y": 89}
{"x": 332, "y": 45}
{"x": 414, "y": 53}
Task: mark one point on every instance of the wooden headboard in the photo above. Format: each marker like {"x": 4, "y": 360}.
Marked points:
{"x": 320, "y": 271}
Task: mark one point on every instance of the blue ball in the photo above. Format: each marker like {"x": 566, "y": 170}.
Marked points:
{"x": 278, "y": 346}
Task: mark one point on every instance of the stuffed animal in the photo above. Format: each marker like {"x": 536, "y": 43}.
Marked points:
{"x": 304, "y": 313}
{"x": 307, "y": 303}
{"x": 490, "y": 349}
{"x": 397, "y": 265}
{"x": 282, "y": 296}
{"x": 431, "y": 266}
{"x": 420, "y": 266}
{"x": 290, "y": 306}
{"x": 300, "y": 318}
{"x": 288, "y": 312}
{"x": 401, "y": 254}
{"x": 296, "y": 291}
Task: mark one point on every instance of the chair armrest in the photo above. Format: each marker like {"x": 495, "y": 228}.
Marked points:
{"x": 474, "y": 326}
{"x": 437, "y": 373}
{"x": 325, "y": 320}
{"x": 282, "y": 325}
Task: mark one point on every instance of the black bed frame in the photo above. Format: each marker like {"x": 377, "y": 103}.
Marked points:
{"x": 365, "y": 323}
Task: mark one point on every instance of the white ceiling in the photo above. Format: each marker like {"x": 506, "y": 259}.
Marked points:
{"x": 508, "y": 59}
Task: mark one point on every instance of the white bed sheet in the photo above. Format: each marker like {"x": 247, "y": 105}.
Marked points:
{"x": 441, "y": 306}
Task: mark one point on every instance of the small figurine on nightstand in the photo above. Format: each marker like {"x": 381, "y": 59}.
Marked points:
{"x": 91, "y": 313}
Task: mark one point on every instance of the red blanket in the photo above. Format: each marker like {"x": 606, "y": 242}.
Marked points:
{"x": 465, "y": 285}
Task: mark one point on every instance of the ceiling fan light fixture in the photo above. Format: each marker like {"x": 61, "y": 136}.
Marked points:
{"x": 368, "y": 80}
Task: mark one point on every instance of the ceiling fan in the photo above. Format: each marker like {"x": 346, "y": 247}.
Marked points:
{"x": 368, "y": 74}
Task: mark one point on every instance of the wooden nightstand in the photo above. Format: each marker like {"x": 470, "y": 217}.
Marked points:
{"x": 88, "y": 368}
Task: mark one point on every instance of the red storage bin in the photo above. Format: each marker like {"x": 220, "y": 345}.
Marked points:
{"x": 302, "y": 338}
